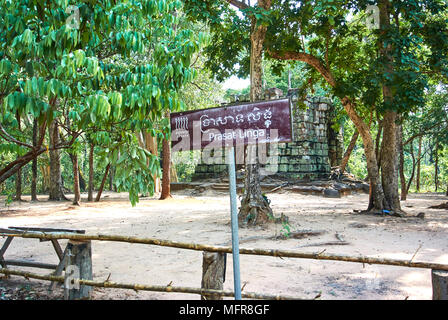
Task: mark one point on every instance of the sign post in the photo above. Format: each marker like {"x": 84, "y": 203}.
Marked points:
{"x": 234, "y": 222}
{"x": 240, "y": 124}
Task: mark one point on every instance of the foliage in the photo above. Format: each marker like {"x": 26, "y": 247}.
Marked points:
{"x": 228, "y": 53}
{"x": 117, "y": 73}
{"x": 204, "y": 92}
{"x": 131, "y": 61}
{"x": 185, "y": 162}
{"x": 335, "y": 32}
{"x": 9, "y": 199}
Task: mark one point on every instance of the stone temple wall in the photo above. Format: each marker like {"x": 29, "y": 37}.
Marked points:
{"x": 308, "y": 157}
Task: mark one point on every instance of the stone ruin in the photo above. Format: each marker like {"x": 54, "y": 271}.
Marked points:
{"x": 316, "y": 148}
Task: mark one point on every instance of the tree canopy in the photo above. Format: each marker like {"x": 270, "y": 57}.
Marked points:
{"x": 116, "y": 71}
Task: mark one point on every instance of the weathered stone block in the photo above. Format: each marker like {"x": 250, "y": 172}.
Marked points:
{"x": 304, "y": 168}
{"x": 331, "y": 193}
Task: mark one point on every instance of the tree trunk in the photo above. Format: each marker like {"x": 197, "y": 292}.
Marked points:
{"x": 76, "y": 189}
{"x": 413, "y": 168}
{"x": 377, "y": 143}
{"x": 436, "y": 166}
{"x": 45, "y": 170}
{"x": 376, "y": 202}
{"x": 289, "y": 79}
{"x": 111, "y": 179}
{"x": 103, "y": 182}
{"x": 151, "y": 146}
{"x": 148, "y": 142}
{"x": 389, "y": 172}
{"x": 419, "y": 159}
{"x": 91, "y": 173}
{"x": 349, "y": 151}
{"x": 82, "y": 181}
{"x": 166, "y": 172}
{"x": 335, "y": 141}
{"x": 55, "y": 187}
{"x": 34, "y": 165}
{"x": 389, "y": 156}
{"x": 255, "y": 208}
{"x": 404, "y": 189}
{"x": 18, "y": 196}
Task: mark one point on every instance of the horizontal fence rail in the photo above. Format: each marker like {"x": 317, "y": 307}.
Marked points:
{"x": 140, "y": 287}
{"x": 208, "y": 291}
{"x": 248, "y": 251}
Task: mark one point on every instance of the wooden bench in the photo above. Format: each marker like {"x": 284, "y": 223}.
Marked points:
{"x": 62, "y": 255}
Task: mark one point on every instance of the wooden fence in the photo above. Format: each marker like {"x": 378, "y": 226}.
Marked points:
{"x": 214, "y": 265}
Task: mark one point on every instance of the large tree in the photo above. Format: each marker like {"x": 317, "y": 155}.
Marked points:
{"x": 383, "y": 70}
{"x": 238, "y": 34}
{"x": 112, "y": 72}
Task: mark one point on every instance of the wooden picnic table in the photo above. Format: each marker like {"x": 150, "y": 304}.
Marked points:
{"x": 57, "y": 248}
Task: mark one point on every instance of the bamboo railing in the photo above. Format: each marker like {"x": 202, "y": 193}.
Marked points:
{"x": 204, "y": 248}
{"x": 141, "y": 287}
{"x": 223, "y": 249}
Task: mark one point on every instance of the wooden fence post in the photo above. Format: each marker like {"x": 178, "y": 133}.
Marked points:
{"x": 213, "y": 273}
{"x": 439, "y": 284}
{"x": 78, "y": 266}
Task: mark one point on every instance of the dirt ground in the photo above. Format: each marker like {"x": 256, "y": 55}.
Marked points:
{"x": 205, "y": 219}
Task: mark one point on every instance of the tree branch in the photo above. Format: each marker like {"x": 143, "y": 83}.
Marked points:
{"x": 425, "y": 132}
{"x": 14, "y": 166}
{"x": 196, "y": 85}
{"x": 239, "y": 4}
{"x": 327, "y": 44}
{"x": 307, "y": 58}
{"x": 9, "y": 138}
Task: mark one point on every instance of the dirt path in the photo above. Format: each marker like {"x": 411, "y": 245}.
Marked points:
{"x": 205, "y": 219}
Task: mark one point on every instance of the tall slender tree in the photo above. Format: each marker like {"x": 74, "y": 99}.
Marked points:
{"x": 232, "y": 20}
{"x": 34, "y": 165}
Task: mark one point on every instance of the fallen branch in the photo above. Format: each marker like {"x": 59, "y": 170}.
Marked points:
{"x": 416, "y": 252}
{"x": 329, "y": 243}
{"x": 440, "y": 206}
{"x": 300, "y": 234}
{"x": 279, "y": 187}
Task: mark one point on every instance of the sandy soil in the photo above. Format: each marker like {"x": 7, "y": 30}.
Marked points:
{"x": 205, "y": 219}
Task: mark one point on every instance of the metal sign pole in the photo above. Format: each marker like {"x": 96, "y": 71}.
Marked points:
{"x": 234, "y": 220}
{"x": 197, "y": 128}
